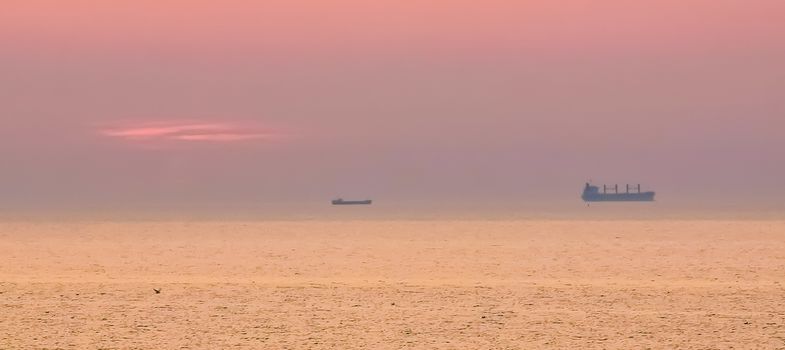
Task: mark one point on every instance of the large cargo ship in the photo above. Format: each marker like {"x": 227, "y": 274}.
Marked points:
{"x": 341, "y": 201}
{"x": 612, "y": 194}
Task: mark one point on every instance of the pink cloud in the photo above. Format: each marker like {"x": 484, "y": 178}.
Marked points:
{"x": 221, "y": 137}
{"x": 185, "y": 131}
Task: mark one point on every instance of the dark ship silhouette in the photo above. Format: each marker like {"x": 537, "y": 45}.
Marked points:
{"x": 612, "y": 194}
{"x": 341, "y": 201}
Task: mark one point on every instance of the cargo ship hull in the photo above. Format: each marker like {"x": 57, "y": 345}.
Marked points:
{"x": 593, "y": 194}
{"x": 345, "y": 202}
{"x": 619, "y": 197}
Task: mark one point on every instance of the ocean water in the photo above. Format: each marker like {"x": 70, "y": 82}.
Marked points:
{"x": 344, "y": 283}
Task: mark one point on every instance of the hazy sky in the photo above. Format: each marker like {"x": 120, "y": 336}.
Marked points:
{"x": 175, "y": 101}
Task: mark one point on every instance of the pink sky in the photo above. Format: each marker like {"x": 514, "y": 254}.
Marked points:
{"x": 434, "y": 100}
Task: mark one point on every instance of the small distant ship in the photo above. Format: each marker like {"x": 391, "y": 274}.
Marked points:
{"x": 612, "y": 194}
{"x": 341, "y": 201}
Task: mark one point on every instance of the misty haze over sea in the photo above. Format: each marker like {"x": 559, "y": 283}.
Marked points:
{"x": 574, "y": 209}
